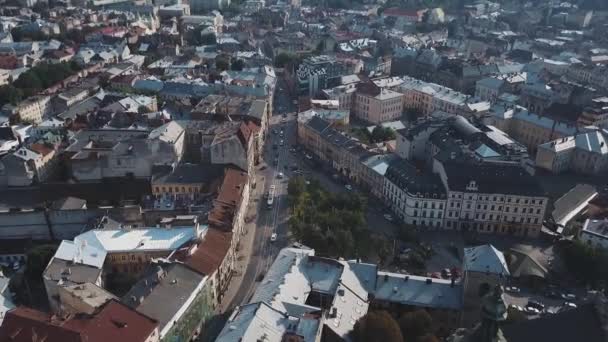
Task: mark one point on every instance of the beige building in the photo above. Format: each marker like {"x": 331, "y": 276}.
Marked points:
{"x": 85, "y": 298}
{"x": 376, "y": 105}
{"x": 34, "y": 109}
{"x": 585, "y": 153}
{"x": 532, "y": 130}
{"x": 596, "y": 114}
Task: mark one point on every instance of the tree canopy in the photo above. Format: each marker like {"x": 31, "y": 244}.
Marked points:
{"x": 587, "y": 264}
{"x": 415, "y": 325}
{"x": 37, "y": 260}
{"x": 377, "y": 326}
{"x": 333, "y": 224}
{"x": 283, "y": 59}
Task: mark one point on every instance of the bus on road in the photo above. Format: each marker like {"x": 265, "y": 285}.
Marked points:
{"x": 270, "y": 197}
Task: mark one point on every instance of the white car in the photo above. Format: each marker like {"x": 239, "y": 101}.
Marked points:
{"x": 531, "y": 311}
{"x": 273, "y": 237}
{"x": 280, "y": 175}
{"x": 388, "y": 217}
{"x": 348, "y": 187}
{"x": 308, "y": 156}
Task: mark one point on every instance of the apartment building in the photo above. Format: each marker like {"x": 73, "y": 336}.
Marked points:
{"x": 585, "y": 153}
{"x": 596, "y": 114}
{"x": 343, "y": 153}
{"x": 430, "y": 97}
{"x": 532, "y": 130}
{"x": 477, "y": 199}
{"x": 376, "y": 105}
{"x": 595, "y": 233}
{"x": 417, "y": 197}
{"x": 28, "y": 165}
{"x": 34, "y": 109}
{"x": 129, "y": 250}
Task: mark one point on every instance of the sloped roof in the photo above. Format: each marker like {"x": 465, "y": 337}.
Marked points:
{"x": 523, "y": 264}
{"x": 485, "y": 258}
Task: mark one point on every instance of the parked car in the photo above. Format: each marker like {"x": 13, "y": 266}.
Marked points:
{"x": 282, "y": 142}
{"x": 348, "y": 187}
{"x": 513, "y": 289}
{"x": 552, "y": 294}
{"x": 569, "y": 305}
{"x": 273, "y": 237}
{"x": 388, "y": 217}
{"x": 280, "y": 175}
{"x": 446, "y": 273}
{"x": 536, "y": 305}
{"x": 516, "y": 307}
{"x": 531, "y": 310}
{"x": 308, "y": 156}
{"x": 568, "y": 296}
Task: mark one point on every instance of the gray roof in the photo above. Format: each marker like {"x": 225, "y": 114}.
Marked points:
{"x": 69, "y": 273}
{"x": 485, "y": 258}
{"x": 163, "y": 291}
{"x": 418, "y": 291}
{"x": 407, "y": 177}
{"x": 573, "y": 202}
{"x": 191, "y": 174}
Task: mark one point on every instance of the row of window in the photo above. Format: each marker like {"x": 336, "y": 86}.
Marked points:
{"x": 501, "y": 199}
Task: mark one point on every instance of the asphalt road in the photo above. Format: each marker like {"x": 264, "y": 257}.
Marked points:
{"x": 273, "y": 220}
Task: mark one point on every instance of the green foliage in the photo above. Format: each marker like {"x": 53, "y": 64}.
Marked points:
{"x": 10, "y": 94}
{"x": 37, "y": 260}
{"x": 43, "y": 76}
{"x": 587, "y": 264}
{"x": 332, "y": 224}
{"x": 415, "y": 325}
{"x": 407, "y": 233}
{"x": 237, "y": 65}
{"x": 377, "y": 326}
{"x": 380, "y": 134}
{"x": 221, "y": 64}
{"x": 283, "y": 59}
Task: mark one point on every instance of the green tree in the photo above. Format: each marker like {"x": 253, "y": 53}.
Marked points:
{"x": 415, "y": 325}
{"x": 377, "y": 326}
{"x": 37, "y": 260}
{"x": 207, "y": 39}
{"x": 380, "y": 134}
{"x": 237, "y": 65}
{"x": 10, "y": 94}
{"x": 283, "y": 59}
{"x": 221, "y": 64}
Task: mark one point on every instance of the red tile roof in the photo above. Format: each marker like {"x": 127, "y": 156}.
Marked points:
{"x": 210, "y": 252}
{"x": 118, "y": 322}
{"x": 114, "y": 322}
{"x": 41, "y": 148}
{"x": 228, "y": 199}
{"x": 232, "y": 186}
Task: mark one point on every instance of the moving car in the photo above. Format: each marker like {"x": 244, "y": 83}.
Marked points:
{"x": 280, "y": 175}
{"x": 348, "y": 187}
{"x": 273, "y": 237}
{"x": 282, "y": 143}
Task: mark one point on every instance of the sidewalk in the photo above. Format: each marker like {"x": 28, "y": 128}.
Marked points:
{"x": 246, "y": 246}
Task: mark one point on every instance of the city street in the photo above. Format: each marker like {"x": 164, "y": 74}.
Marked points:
{"x": 276, "y": 159}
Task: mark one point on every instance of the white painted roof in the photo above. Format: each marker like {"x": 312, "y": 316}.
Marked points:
{"x": 81, "y": 252}
{"x": 153, "y": 239}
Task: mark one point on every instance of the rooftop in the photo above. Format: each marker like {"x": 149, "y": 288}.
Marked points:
{"x": 140, "y": 239}
{"x": 485, "y": 259}
{"x": 163, "y": 292}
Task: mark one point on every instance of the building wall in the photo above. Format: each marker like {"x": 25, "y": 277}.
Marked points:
{"x": 374, "y": 110}
{"x": 495, "y": 213}
{"x": 415, "y": 209}
{"x": 33, "y": 110}
{"x": 133, "y": 262}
